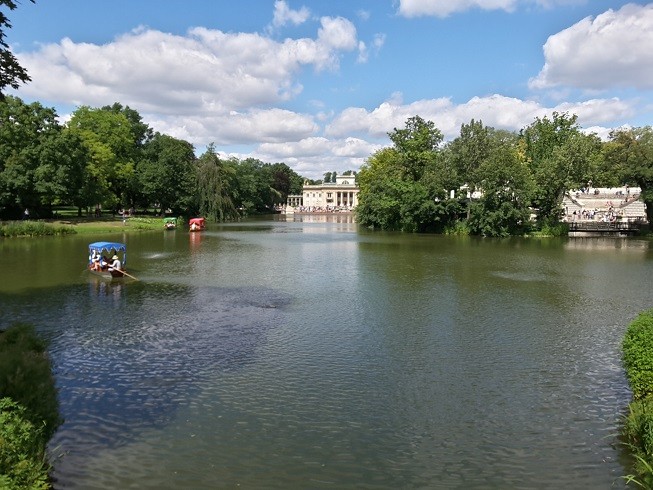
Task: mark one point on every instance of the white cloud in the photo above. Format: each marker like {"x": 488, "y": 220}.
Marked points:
{"x": 612, "y": 50}
{"x": 314, "y": 156}
{"x": 284, "y": 14}
{"x": 337, "y": 33}
{"x": 444, "y": 8}
{"x": 497, "y": 111}
{"x": 206, "y": 73}
{"x": 250, "y": 127}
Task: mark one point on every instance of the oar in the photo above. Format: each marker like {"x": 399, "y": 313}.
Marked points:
{"x": 128, "y": 275}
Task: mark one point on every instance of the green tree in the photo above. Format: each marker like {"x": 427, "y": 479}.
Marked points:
{"x": 250, "y": 191}
{"x": 215, "y": 186}
{"x": 60, "y": 177}
{"x": 11, "y": 73}
{"x": 23, "y": 128}
{"x": 417, "y": 144}
{"x": 400, "y": 187}
{"x": 109, "y": 139}
{"x": 546, "y": 144}
{"x": 285, "y": 181}
{"x": 167, "y": 173}
{"x": 507, "y": 187}
{"x": 630, "y": 152}
{"x": 469, "y": 150}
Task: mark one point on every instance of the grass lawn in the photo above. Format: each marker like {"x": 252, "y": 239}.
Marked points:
{"x": 67, "y": 221}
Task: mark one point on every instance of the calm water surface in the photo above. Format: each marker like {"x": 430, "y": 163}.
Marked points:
{"x": 308, "y": 354}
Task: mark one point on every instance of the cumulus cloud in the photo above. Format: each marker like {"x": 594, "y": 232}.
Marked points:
{"x": 314, "y": 156}
{"x": 204, "y": 72}
{"x": 249, "y": 127}
{"x": 444, "y": 8}
{"x": 207, "y": 84}
{"x": 496, "y": 110}
{"x": 611, "y": 50}
{"x": 284, "y": 14}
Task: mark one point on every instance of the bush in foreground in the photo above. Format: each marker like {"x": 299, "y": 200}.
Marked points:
{"x": 638, "y": 424}
{"x": 29, "y": 410}
{"x": 22, "y": 452}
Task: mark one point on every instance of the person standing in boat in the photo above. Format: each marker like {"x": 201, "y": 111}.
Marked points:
{"x": 115, "y": 263}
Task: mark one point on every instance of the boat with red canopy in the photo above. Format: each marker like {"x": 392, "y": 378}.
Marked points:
{"x": 197, "y": 224}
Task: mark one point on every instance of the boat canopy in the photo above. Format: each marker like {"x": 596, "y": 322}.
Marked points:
{"x": 108, "y": 247}
{"x": 196, "y": 221}
{"x": 170, "y": 220}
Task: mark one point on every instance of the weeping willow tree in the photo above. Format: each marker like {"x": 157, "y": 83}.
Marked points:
{"x": 214, "y": 187}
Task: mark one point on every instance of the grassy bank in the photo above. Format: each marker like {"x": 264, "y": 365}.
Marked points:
{"x": 638, "y": 424}
{"x": 86, "y": 226}
{"x": 29, "y": 411}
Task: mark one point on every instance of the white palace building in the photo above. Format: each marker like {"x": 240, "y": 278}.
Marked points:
{"x": 329, "y": 197}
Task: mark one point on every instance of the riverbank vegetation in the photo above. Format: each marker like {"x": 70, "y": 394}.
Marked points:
{"x": 29, "y": 411}
{"x": 106, "y": 160}
{"x": 484, "y": 182}
{"x": 638, "y": 423}
{"x": 33, "y": 228}
{"x": 494, "y": 182}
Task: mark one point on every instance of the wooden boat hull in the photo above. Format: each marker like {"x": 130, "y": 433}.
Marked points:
{"x": 106, "y": 274}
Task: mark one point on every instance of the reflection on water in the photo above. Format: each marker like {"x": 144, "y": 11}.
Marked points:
{"x": 101, "y": 288}
{"x": 317, "y": 217}
{"x": 293, "y": 354}
{"x": 125, "y": 370}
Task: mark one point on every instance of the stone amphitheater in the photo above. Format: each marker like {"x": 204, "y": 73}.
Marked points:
{"x": 604, "y": 204}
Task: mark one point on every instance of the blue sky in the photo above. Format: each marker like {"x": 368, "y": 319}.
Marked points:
{"x": 319, "y": 84}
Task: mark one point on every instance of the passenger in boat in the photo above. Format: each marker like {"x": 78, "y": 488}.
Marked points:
{"x": 115, "y": 263}
{"x": 104, "y": 263}
{"x": 93, "y": 260}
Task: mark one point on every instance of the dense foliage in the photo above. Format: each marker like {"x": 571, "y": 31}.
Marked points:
{"x": 492, "y": 182}
{"x": 108, "y": 158}
{"x": 29, "y": 411}
{"x": 12, "y": 74}
{"x": 22, "y": 460}
{"x": 638, "y": 425}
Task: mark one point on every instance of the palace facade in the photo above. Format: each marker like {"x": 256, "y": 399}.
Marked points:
{"x": 339, "y": 196}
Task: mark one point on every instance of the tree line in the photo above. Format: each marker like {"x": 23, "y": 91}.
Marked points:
{"x": 109, "y": 157}
{"x": 422, "y": 184}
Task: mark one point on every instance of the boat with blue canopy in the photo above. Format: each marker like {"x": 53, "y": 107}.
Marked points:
{"x": 107, "y": 259}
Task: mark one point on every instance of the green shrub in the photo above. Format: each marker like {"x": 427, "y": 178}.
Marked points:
{"x": 638, "y": 427}
{"x": 638, "y": 355}
{"x": 32, "y": 228}
{"x": 22, "y": 453}
{"x": 461, "y": 228}
{"x": 26, "y": 377}
{"x": 557, "y": 229}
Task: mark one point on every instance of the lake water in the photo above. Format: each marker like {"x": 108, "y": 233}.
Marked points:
{"x": 314, "y": 354}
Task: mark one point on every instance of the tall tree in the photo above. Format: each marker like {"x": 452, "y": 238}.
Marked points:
{"x": 11, "y": 73}
{"x": 545, "y": 143}
{"x": 327, "y": 177}
{"x": 167, "y": 173}
{"x": 631, "y": 154}
{"x": 417, "y": 145}
{"x": 507, "y": 188}
{"x": 60, "y": 177}
{"x": 109, "y": 138}
{"x": 215, "y": 186}
{"x": 398, "y": 188}
{"x": 469, "y": 150}
{"x": 23, "y": 128}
